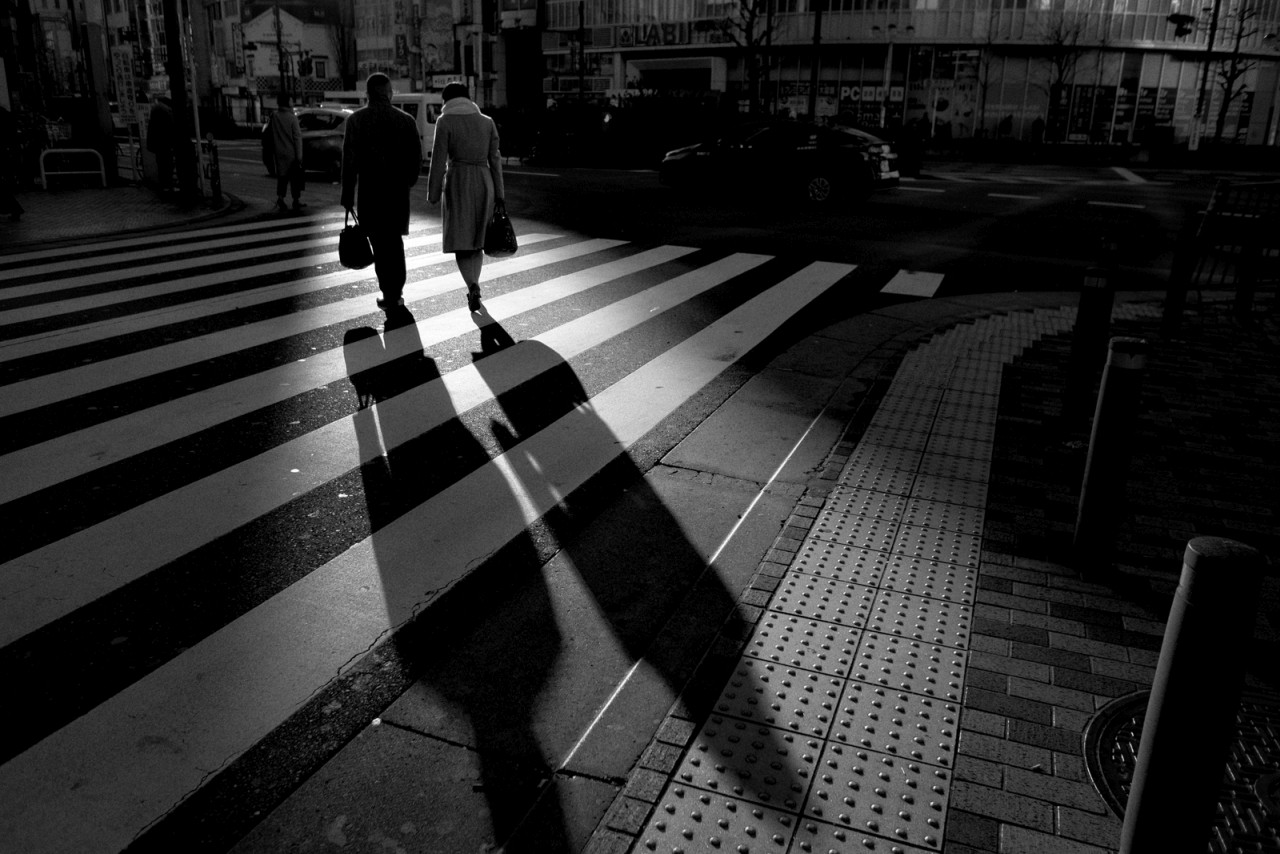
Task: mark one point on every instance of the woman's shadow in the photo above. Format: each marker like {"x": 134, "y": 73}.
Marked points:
{"x": 450, "y": 653}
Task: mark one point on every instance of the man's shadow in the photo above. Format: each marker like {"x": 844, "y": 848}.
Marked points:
{"x": 452, "y": 650}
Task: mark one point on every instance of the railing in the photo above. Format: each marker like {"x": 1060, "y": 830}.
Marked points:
{"x": 72, "y": 155}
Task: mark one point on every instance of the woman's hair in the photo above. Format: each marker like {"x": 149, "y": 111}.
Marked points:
{"x": 455, "y": 90}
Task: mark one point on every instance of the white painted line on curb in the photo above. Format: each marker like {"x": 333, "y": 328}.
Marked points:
{"x": 1119, "y": 205}
{"x": 1013, "y": 196}
{"x": 921, "y": 189}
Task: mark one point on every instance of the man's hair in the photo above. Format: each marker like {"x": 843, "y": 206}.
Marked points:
{"x": 378, "y": 82}
{"x": 454, "y": 90}
{"x": 282, "y": 99}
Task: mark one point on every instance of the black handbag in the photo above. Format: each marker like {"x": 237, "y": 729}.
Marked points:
{"x": 354, "y": 251}
{"x": 500, "y": 236}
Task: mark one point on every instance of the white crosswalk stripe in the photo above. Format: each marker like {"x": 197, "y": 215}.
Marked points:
{"x": 95, "y": 778}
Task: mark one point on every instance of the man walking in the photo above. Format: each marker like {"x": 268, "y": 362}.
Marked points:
{"x": 285, "y": 138}
{"x": 382, "y": 156}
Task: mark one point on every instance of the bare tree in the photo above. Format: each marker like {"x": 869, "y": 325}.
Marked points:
{"x": 1062, "y": 33}
{"x": 1240, "y": 24}
{"x": 750, "y": 25}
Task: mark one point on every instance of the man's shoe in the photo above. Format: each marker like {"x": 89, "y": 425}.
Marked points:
{"x": 280, "y": 205}
{"x": 297, "y": 205}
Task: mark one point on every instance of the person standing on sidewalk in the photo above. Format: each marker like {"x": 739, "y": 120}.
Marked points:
{"x": 466, "y": 172}
{"x": 161, "y": 135}
{"x": 285, "y": 137}
{"x": 381, "y": 157}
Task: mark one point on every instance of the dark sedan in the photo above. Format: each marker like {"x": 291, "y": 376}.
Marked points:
{"x": 322, "y": 130}
{"x": 799, "y": 159}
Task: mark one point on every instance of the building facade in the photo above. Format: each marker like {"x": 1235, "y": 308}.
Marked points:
{"x": 1115, "y": 71}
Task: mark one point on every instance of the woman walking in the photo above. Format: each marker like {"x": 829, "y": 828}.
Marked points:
{"x": 466, "y": 172}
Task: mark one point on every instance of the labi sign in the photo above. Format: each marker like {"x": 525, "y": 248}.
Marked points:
{"x": 653, "y": 35}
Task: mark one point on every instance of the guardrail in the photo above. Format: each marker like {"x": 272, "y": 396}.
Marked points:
{"x": 74, "y": 153}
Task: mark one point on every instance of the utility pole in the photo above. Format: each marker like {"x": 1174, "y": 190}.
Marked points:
{"x": 1198, "y": 130}
{"x": 582, "y": 50}
{"x": 817, "y": 59}
{"x": 184, "y": 156}
{"x": 280, "y": 62}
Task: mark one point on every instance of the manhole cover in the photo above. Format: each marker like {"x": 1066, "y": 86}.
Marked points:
{"x": 1248, "y": 815}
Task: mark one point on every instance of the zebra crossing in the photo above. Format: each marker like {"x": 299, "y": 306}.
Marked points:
{"x": 179, "y": 410}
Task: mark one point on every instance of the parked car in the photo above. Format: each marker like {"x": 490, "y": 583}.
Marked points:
{"x": 798, "y": 159}
{"x": 322, "y": 131}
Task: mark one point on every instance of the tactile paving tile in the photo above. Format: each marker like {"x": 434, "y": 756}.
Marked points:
{"x": 843, "y": 562}
{"x": 955, "y": 446}
{"x": 867, "y": 454}
{"x": 898, "y": 723}
{"x": 824, "y": 599}
{"x": 931, "y": 578}
{"x": 877, "y": 479}
{"x": 952, "y": 490}
{"x": 796, "y": 642}
{"x": 891, "y": 438}
{"x": 940, "y": 514}
{"x": 820, "y": 837}
{"x": 957, "y": 397}
{"x": 865, "y": 532}
{"x": 930, "y": 620}
{"x": 963, "y": 468}
{"x": 689, "y": 820}
{"x": 747, "y": 760}
{"x": 787, "y": 698}
{"x": 938, "y": 544}
{"x": 910, "y": 401}
{"x": 880, "y": 795}
{"x": 895, "y": 420}
{"x": 903, "y": 664}
{"x": 978, "y": 431}
{"x": 864, "y": 502}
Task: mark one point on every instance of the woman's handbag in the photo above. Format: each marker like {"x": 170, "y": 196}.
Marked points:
{"x": 500, "y": 236}
{"x": 354, "y": 251}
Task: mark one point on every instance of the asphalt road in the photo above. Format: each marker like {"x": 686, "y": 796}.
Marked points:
{"x": 987, "y": 228}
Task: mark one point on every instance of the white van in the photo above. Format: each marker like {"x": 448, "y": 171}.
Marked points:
{"x": 423, "y": 106}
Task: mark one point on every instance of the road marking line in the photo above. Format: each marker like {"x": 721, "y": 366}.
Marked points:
{"x": 1119, "y": 205}
{"x": 1128, "y": 175}
{"x": 922, "y": 189}
{"x": 914, "y": 283}
{"x": 1012, "y": 196}
{"x": 535, "y": 174}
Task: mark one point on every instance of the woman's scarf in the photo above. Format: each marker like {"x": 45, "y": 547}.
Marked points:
{"x": 460, "y": 107}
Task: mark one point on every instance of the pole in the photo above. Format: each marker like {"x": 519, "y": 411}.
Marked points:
{"x": 1088, "y": 343}
{"x": 1191, "y": 713}
{"x": 184, "y": 157}
{"x": 888, "y": 72}
{"x": 1198, "y": 130}
{"x": 582, "y": 49}
{"x": 817, "y": 59}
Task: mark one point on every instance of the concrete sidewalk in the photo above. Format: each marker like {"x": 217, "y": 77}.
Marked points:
{"x": 915, "y": 667}
{"x": 54, "y": 216}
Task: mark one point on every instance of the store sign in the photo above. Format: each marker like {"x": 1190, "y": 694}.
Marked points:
{"x": 126, "y": 88}
{"x": 653, "y": 35}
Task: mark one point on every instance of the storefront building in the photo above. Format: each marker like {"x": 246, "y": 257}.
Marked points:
{"x": 1101, "y": 71}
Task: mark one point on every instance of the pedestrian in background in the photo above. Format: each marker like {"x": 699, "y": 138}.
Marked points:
{"x": 160, "y": 140}
{"x": 285, "y": 137}
{"x": 466, "y": 173}
{"x": 381, "y": 159}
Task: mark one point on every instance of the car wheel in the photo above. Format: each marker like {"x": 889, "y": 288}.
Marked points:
{"x": 819, "y": 188}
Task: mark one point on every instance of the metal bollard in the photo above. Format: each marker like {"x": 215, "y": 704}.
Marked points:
{"x": 1088, "y": 341}
{"x": 1110, "y": 443}
{"x": 1190, "y": 721}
